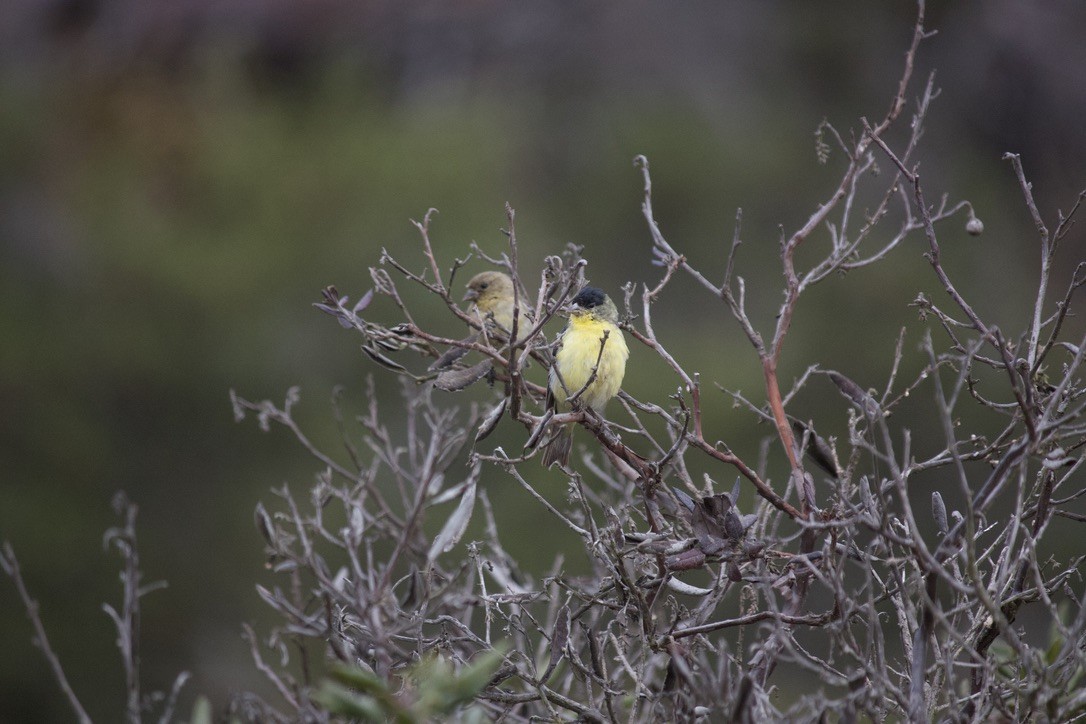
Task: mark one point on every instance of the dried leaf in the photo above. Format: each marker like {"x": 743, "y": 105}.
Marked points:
{"x": 938, "y": 511}
{"x": 670, "y": 507}
{"x": 452, "y": 492}
{"x": 456, "y": 380}
{"x": 683, "y": 498}
{"x": 559, "y": 638}
{"x": 332, "y": 305}
{"x": 382, "y": 360}
{"x": 671, "y": 677}
{"x": 855, "y": 393}
{"x": 680, "y": 665}
{"x": 807, "y": 482}
{"x": 817, "y": 449}
{"x": 264, "y": 524}
{"x": 272, "y": 599}
{"x": 593, "y": 650}
{"x": 327, "y": 309}
{"x": 733, "y": 526}
{"x": 331, "y": 294}
{"x": 748, "y": 520}
{"x": 753, "y": 549}
{"x": 717, "y": 505}
{"x": 491, "y": 420}
{"x": 451, "y": 356}
{"x": 390, "y": 344}
{"x": 537, "y": 432}
{"x": 415, "y": 588}
{"x": 363, "y": 302}
{"x": 685, "y": 561}
{"x": 708, "y": 523}
{"x": 457, "y": 523}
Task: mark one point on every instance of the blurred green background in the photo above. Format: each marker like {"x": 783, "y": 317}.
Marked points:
{"x": 178, "y": 180}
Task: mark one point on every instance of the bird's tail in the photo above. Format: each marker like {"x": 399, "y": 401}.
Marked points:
{"x": 557, "y": 450}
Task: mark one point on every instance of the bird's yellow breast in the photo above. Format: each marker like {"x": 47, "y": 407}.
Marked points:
{"x": 577, "y": 356}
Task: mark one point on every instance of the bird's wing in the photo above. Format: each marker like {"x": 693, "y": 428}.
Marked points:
{"x": 553, "y": 359}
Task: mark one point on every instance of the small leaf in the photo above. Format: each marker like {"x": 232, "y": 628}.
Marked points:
{"x": 264, "y": 524}
{"x": 415, "y": 589}
{"x": 269, "y": 598}
{"x": 451, "y": 356}
{"x": 330, "y": 294}
{"x": 456, "y": 380}
{"x": 807, "y": 482}
{"x": 490, "y": 422}
{"x": 708, "y": 523}
{"x": 733, "y": 526}
{"x": 363, "y": 302}
{"x": 717, "y": 505}
{"x": 938, "y": 511}
{"x": 593, "y": 649}
{"x": 537, "y": 432}
{"x": 670, "y": 678}
{"x": 855, "y": 393}
{"x": 679, "y": 669}
{"x": 434, "y": 487}
{"x": 328, "y": 309}
{"x": 817, "y": 449}
{"x": 457, "y": 523}
{"x": 382, "y": 360}
{"x": 389, "y": 344}
{"x": 559, "y": 637}
{"x": 685, "y": 561}
{"x": 683, "y": 498}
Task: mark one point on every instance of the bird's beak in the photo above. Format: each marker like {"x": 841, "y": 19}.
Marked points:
{"x": 470, "y": 296}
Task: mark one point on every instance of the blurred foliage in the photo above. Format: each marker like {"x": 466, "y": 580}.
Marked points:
{"x": 436, "y": 689}
{"x": 164, "y": 228}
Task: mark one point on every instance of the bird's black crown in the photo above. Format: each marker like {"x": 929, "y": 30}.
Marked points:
{"x": 589, "y": 297}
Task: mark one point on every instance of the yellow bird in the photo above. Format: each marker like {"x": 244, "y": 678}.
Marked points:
{"x": 589, "y": 364}
{"x": 492, "y": 294}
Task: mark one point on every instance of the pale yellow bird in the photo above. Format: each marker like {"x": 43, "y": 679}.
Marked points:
{"x": 589, "y": 363}
{"x": 492, "y": 294}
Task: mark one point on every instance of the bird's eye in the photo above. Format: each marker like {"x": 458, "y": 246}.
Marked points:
{"x": 484, "y": 285}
